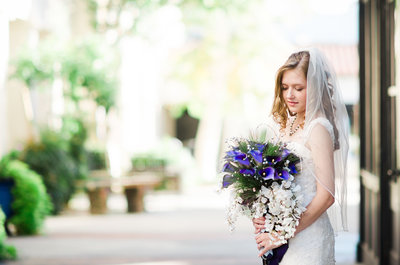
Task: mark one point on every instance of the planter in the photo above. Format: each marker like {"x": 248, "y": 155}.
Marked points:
{"x": 134, "y": 199}
{"x": 98, "y": 199}
{"x": 135, "y": 188}
{"x": 6, "y": 197}
{"x": 98, "y": 189}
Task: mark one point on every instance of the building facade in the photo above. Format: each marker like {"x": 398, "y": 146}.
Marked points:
{"x": 379, "y": 132}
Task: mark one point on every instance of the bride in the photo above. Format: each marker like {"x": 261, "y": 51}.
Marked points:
{"x": 308, "y": 113}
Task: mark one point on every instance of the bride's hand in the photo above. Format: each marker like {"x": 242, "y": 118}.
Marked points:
{"x": 258, "y": 224}
{"x": 266, "y": 241}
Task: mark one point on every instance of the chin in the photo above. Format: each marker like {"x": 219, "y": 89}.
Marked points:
{"x": 296, "y": 110}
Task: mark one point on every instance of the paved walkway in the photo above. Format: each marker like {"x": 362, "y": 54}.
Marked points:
{"x": 177, "y": 229}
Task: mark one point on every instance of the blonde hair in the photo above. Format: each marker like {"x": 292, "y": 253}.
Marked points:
{"x": 299, "y": 60}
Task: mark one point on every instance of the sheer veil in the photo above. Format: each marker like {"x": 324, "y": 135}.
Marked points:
{"x": 324, "y": 101}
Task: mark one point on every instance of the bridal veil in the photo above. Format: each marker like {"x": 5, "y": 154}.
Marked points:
{"x": 324, "y": 100}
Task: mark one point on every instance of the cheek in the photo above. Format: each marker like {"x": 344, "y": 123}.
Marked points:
{"x": 304, "y": 98}
{"x": 283, "y": 94}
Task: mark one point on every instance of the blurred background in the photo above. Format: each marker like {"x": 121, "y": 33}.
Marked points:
{"x": 114, "y": 109}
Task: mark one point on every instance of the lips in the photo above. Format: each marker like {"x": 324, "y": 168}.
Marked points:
{"x": 292, "y": 103}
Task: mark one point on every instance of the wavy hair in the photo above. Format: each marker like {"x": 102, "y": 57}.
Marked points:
{"x": 299, "y": 60}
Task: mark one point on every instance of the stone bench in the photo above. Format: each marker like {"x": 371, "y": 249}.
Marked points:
{"x": 134, "y": 188}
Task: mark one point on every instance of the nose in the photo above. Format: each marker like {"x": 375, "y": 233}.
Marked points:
{"x": 289, "y": 93}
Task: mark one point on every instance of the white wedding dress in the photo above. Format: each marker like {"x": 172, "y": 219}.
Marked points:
{"x": 315, "y": 245}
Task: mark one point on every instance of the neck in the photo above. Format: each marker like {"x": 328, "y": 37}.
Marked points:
{"x": 300, "y": 117}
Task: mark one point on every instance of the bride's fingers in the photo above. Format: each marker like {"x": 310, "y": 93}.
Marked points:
{"x": 260, "y": 246}
{"x": 261, "y": 238}
{"x": 259, "y": 227}
{"x": 260, "y": 222}
{"x": 263, "y": 251}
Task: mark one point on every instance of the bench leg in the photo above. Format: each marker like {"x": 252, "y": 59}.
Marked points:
{"x": 98, "y": 200}
{"x": 134, "y": 198}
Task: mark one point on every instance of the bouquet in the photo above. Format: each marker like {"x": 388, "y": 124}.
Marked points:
{"x": 260, "y": 174}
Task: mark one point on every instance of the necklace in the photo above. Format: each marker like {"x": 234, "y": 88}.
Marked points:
{"x": 291, "y": 131}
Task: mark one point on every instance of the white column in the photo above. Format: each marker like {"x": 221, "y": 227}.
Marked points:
{"x": 4, "y": 54}
{"x": 139, "y": 97}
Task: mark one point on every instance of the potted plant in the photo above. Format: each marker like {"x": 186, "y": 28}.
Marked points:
{"x": 5, "y": 196}
{"x": 98, "y": 182}
{"x": 50, "y": 158}
{"x": 6, "y": 252}
{"x": 30, "y": 203}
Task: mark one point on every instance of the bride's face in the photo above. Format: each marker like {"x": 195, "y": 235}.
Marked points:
{"x": 294, "y": 90}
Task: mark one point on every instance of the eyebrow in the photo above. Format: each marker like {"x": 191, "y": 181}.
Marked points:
{"x": 293, "y": 84}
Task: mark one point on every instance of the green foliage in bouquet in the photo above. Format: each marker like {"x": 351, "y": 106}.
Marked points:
{"x": 51, "y": 158}
{"x": 6, "y": 252}
{"x": 31, "y": 203}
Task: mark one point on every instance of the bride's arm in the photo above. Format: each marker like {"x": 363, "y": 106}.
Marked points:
{"x": 321, "y": 146}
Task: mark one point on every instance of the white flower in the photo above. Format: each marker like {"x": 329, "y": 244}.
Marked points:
{"x": 281, "y": 204}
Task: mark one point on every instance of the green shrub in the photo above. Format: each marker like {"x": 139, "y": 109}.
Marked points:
{"x": 30, "y": 203}
{"x": 6, "y": 252}
{"x": 96, "y": 159}
{"x": 74, "y": 134}
{"x": 148, "y": 161}
{"x": 51, "y": 159}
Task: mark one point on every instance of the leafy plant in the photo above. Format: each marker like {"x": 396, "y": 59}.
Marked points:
{"x": 51, "y": 158}
{"x": 85, "y": 67}
{"x": 31, "y": 204}
{"x": 6, "y": 251}
{"x": 96, "y": 159}
{"x": 74, "y": 133}
{"x": 86, "y": 71}
{"x": 148, "y": 161}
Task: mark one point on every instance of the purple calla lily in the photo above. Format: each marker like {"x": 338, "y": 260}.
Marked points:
{"x": 273, "y": 159}
{"x": 281, "y": 174}
{"x": 260, "y": 147}
{"x": 228, "y": 168}
{"x": 267, "y": 173}
{"x": 249, "y": 171}
{"x": 242, "y": 159}
{"x": 285, "y": 153}
{"x": 233, "y": 153}
{"x": 227, "y": 181}
{"x": 257, "y": 155}
{"x": 292, "y": 168}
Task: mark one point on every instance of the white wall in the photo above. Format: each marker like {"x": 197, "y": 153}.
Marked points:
{"x": 3, "y": 69}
